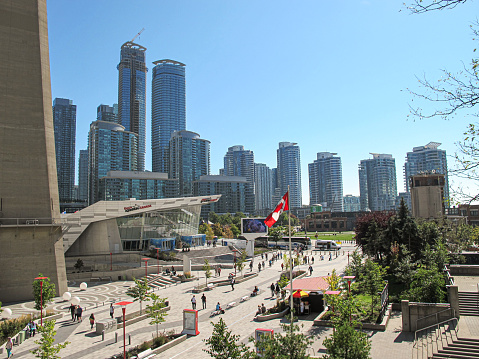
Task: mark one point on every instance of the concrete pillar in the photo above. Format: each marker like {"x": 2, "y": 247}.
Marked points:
{"x": 406, "y": 320}
{"x": 453, "y": 294}
{"x": 186, "y": 265}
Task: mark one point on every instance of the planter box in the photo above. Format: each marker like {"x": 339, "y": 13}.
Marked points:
{"x": 263, "y": 318}
{"x": 137, "y": 319}
{"x": 170, "y": 344}
{"x": 369, "y": 326}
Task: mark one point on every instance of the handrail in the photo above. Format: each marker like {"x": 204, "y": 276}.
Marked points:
{"x": 434, "y": 325}
{"x": 436, "y": 328}
{"x": 436, "y": 315}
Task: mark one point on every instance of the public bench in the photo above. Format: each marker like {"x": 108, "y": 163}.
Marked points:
{"x": 230, "y": 305}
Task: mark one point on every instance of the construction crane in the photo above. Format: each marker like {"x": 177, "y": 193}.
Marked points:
{"x": 137, "y": 35}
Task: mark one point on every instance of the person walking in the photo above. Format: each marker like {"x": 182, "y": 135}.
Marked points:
{"x": 203, "y": 300}
{"x": 272, "y": 287}
{"x": 79, "y": 313}
{"x": 219, "y": 271}
{"x": 92, "y": 320}
{"x": 232, "y": 284}
{"x": 282, "y": 267}
{"x": 251, "y": 266}
{"x": 112, "y": 310}
{"x": 259, "y": 267}
{"x": 310, "y": 270}
{"x": 9, "y": 347}
{"x": 193, "y": 302}
{"x": 72, "y": 311}
{"x": 277, "y": 289}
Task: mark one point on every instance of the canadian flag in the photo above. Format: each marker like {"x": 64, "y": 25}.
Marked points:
{"x": 280, "y": 207}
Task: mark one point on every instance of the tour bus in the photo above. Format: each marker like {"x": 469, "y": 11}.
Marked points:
{"x": 323, "y": 244}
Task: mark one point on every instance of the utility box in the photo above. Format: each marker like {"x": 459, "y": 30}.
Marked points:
{"x": 107, "y": 325}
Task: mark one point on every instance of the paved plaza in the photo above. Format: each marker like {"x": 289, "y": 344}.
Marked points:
{"x": 240, "y": 319}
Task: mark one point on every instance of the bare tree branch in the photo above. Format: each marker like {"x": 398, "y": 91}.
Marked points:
{"x": 420, "y": 6}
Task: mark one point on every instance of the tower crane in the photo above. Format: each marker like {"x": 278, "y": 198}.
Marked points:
{"x": 137, "y": 35}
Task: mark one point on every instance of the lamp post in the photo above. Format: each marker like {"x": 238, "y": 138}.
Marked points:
{"x": 111, "y": 261}
{"x": 349, "y": 278}
{"x": 123, "y": 308}
{"x": 41, "y": 279}
{"x": 146, "y": 265}
{"x": 158, "y": 259}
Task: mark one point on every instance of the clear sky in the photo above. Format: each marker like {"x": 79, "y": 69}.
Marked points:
{"x": 329, "y": 75}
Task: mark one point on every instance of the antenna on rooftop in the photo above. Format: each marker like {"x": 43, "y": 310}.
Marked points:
{"x": 137, "y": 35}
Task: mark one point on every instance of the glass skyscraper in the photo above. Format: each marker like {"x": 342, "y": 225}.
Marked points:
{"x": 110, "y": 148}
{"x": 240, "y": 162}
{"x": 263, "y": 186}
{"x": 83, "y": 176}
{"x": 326, "y": 181}
{"x": 289, "y": 172}
{"x": 132, "y": 95}
{"x": 189, "y": 159}
{"x": 427, "y": 159}
{"x": 168, "y": 109}
{"x": 64, "y": 122}
{"x": 107, "y": 113}
{"x": 377, "y": 183}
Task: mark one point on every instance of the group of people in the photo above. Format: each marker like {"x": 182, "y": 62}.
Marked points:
{"x": 275, "y": 289}
{"x": 261, "y": 310}
{"x": 76, "y": 312}
{"x": 217, "y": 271}
{"x": 203, "y": 301}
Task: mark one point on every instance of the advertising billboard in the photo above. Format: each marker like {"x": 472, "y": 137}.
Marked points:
{"x": 253, "y": 225}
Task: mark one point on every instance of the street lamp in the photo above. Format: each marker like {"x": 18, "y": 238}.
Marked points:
{"x": 146, "y": 265}
{"x": 41, "y": 298}
{"x": 349, "y": 278}
{"x": 123, "y": 308}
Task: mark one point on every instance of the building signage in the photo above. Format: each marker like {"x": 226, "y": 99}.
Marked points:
{"x": 209, "y": 199}
{"x": 136, "y": 207}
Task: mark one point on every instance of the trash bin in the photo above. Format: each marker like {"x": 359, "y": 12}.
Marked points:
{"x": 21, "y": 337}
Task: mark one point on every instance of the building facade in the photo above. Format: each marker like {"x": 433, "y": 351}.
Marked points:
{"x": 107, "y": 113}
{"x": 351, "y": 203}
{"x": 428, "y": 159}
{"x": 231, "y": 188}
{"x": 189, "y": 159}
{"x": 168, "y": 109}
{"x": 64, "y": 121}
{"x": 289, "y": 172}
{"x": 263, "y": 184}
{"x": 240, "y": 162}
{"x": 427, "y": 193}
{"x": 377, "y": 183}
{"x": 132, "y": 95}
{"x": 83, "y": 176}
{"x": 326, "y": 181}
{"x": 110, "y": 148}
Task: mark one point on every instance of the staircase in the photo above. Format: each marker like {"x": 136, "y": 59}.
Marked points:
{"x": 461, "y": 348}
{"x": 156, "y": 281}
{"x": 469, "y": 303}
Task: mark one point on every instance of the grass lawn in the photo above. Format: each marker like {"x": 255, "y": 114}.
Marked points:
{"x": 365, "y": 303}
{"x": 339, "y": 237}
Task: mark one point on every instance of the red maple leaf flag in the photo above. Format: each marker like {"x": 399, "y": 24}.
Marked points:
{"x": 280, "y": 207}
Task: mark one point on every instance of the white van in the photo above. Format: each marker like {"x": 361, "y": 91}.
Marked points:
{"x": 323, "y": 244}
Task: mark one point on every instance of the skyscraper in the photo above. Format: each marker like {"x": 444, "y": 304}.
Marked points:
{"x": 83, "y": 176}
{"x": 168, "y": 109}
{"x": 326, "y": 181}
{"x": 107, "y": 113}
{"x": 189, "y": 159}
{"x": 110, "y": 148}
{"x": 132, "y": 95}
{"x": 377, "y": 183}
{"x": 289, "y": 172}
{"x": 428, "y": 159}
{"x": 263, "y": 186}
{"x": 240, "y": 162}
{"x": 64, "y": 122}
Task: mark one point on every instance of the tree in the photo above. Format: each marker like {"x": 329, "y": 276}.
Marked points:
{"x": 139, "y": 292}
{"x": 209, "y": 232}
{"x": 372, "y": 280}
{"x": 155, "y": 310}
{"x": 290, "y": 345}
{"x": 369, "y": 239}
{"x": 213, "y": 217}
{"x": 222, "y": 344}
{"x": 227, "y": 231}
{"x": 225, "y": 219}
{"x": 47, "y": 350}
{"x": 421, "y": 6}
{"x": 218, "y": 230}
{"x": 241, "y": 261}
{"x": 427, "y": 286}
{"x": 48, "y": 292}
{"x": 79, "y": 265}
{"x": 276, "y": 233}
{"x": 207, "y": 269}
{"x": 235, "y": 230}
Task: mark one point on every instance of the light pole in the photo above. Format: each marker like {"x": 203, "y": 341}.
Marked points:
{"x": 111, "y": 261}
{"x": 146, "y": 266}
{"x": 349, "y": 278}
{"x": 123, "y": 308}
{"x": 41, "y": 297}
{"x": 158, "y": 259}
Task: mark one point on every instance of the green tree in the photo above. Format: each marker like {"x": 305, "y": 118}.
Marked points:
{"x": 235, "y": 230}
{"x": 213, "y": 217}
{"x": 427, "y": 286}
{"x": 225, "y": 219}
{"x": 227, "y": 231}
{"x": 241, "y": 261}
{"x": 79, "y": 265}
{"x": 276, "y": 233}
{"x": 155, "y": 310}
{"x": 207, "y": 269}
{"x": 48, "y": 292}
{"x": 139, "y": 292}
{"x": 372, "y": 280}
{"x": 222, "y": 344}
{"x": 237, "y": 219}
{"x": 291, "y": 344}
{"x": 46, "y": 349}
{"x": 218, "y": 230}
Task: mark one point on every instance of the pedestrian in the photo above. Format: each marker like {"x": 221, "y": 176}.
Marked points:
{"x": 232, "y": 283}
{"x": 263, "y": 265}
{"x": 79, "y": 313}
{"x": 259, "y": 267}
{"x": 219, "y": 271}
{"x": 272, "y": 287}
{"x": 277, "y": 289}
{"x": 193, "y": 302}
{"x": 203, "y": 300}
{"x": 72, "y": 311}
{"x": 9, "y": 347}
{"x": 33, "y": 328}
{"x": 301, "y": 307}
{"x": 262, "y": 255}
{"x": 263, "y": 308}
{"x": 282, "y": 266}
{"x": 112, "y": 310}
{"x": 251, "y": 266}
{"x": 310, "y": 270}
{"x": 266, "y": 256}
{"x": 76, "y": 313}
{"x": 312, "y": 260}
{"x": 92, "y": 320}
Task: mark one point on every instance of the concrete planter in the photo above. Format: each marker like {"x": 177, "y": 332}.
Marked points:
{"x": 369, "y": 326}
{"x": 170, "y": 344}
{"x": 137, "y": 319}
{"x": 263, "y": 318}
{"x": 241, "y": 279}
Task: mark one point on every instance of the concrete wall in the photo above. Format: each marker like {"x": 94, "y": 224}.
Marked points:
{"x": 412, "y": 311}
{"x": 24, "y": 253}
{"x": 458, "y": 269}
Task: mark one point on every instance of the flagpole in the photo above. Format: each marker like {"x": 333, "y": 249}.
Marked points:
{"x": 290, "y": 263}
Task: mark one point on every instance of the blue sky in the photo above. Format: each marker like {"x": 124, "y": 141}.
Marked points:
{"x": 329, "y": 75}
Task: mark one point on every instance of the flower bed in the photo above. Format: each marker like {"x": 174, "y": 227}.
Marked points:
{"x": 157, "y": 345}
{"x": 10, "y": 327}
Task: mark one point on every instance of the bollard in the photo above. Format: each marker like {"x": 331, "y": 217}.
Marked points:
{"x": 129, "y": 339}
{"x": 102, "y": 335}
{"x": 116, "y": 337}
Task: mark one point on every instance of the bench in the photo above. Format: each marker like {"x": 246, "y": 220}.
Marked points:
{"x": 210, "y": 286}
{"x": 214, "y": 312}
{"x": 145, "y": 354}
{"x": 244, "y": 299}
{"x": 230, "y": 305}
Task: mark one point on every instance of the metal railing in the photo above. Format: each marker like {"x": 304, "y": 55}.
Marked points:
{"x": 437, "y": 316}
{"x": 434, "y": 337}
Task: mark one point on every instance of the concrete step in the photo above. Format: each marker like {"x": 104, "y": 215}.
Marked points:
{"x": 453, "y": 356}
{"x": 451, "y": 353}
{"x": 467, "y": 340}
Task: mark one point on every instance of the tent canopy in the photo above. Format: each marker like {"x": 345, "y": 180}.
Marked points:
{"x": 310, "y": 284}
